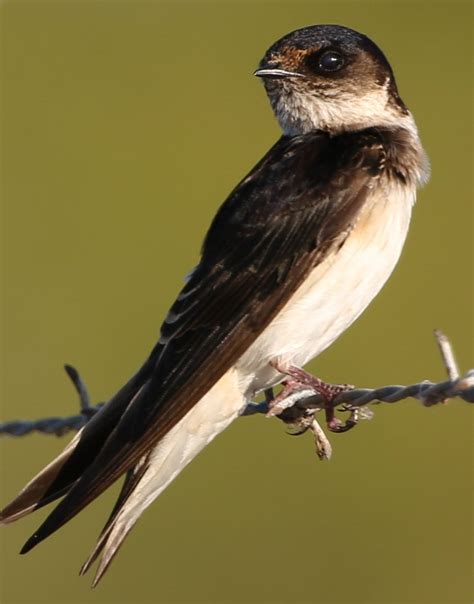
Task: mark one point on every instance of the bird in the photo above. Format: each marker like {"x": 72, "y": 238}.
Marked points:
{"x": 292, "y": 257}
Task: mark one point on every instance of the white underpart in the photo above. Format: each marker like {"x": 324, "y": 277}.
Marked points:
{"x": 337, "y": 291}
{"x": 334, "y": 295}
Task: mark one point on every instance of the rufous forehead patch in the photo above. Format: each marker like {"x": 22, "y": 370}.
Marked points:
{"x": 290, "y": 57}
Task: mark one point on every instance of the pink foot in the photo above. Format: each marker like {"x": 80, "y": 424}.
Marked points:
{"x": 302, "y": 380}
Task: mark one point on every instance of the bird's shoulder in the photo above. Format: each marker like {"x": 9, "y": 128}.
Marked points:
{"x": 298, "y": 174}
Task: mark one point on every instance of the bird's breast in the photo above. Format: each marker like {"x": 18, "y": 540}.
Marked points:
{"x": 336, "y": 291}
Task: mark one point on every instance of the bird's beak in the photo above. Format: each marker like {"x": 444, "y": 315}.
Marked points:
{"x": 277, "y": 73}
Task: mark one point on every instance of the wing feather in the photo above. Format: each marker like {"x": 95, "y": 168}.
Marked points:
{"x": 296, "y": 206}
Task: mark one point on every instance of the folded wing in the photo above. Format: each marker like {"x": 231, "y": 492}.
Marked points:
{"x": 298, "y": 204}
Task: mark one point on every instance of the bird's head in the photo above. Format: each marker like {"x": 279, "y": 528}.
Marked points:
{"x": 328, "y": 77}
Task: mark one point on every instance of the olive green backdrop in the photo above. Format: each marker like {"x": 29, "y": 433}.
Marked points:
{"x": 125, "y": 125}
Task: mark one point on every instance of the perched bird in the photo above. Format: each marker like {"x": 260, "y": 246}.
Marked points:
{"x": 294, "y": 255}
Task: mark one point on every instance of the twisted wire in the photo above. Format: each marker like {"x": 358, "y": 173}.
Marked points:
{"x": 428, "y": 393}
{"x": 49, "y": 425}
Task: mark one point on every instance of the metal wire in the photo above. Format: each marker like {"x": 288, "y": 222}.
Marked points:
{"x": 305, "y": 401}
{"x": 428, "y": 393}
{"x": 49, "y": 425}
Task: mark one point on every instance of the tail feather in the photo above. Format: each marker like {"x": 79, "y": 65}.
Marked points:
{"x": 210, "y": 416}
{"x": 113, "y": 541}
{"x": 132, "y": 479}
{"x": 33, "y": 495}
{"x": 145, "y": 481}
{"x": 58, "y": 477}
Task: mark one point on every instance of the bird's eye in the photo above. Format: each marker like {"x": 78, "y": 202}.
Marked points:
{"x": 327, "y": 62}
{"x": 331, "y": 61}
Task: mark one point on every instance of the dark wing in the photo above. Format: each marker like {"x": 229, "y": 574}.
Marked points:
{"x": 297, "y": 204}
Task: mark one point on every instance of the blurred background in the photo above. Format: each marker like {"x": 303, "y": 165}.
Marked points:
{"x": 125, "y": 125}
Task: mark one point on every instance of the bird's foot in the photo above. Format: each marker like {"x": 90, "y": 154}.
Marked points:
{"x": 299, "y": 420}
{"x": 292, "y": 391}
{"x": 302, "y": 383}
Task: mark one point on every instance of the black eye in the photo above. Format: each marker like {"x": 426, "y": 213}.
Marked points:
{"x": 330, "y": 61}
{"x": 327, "y": 61}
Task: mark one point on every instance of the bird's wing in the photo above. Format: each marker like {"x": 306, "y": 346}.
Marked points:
{"x": 294, "y": 208}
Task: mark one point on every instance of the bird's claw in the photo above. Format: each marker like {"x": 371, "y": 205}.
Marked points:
{"x": 336, "y": 425}
{"x": 294, "y": 389}
{"x": 301, "y": 385}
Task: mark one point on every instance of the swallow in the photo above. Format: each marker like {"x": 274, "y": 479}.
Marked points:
{"x": 293, "y": 256}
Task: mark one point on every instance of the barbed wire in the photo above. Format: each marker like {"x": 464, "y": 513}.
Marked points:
{"x": 298, "y": 409}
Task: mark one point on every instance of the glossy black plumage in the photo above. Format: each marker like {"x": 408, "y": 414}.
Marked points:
{"x": 297, "y": 204}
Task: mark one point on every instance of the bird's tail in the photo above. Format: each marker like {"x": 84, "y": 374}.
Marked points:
{"x": 147, "y": 479}
{"x": 210, "y": 416}
{"x": 58, "y": 477}
{"x": 35, "y": 494}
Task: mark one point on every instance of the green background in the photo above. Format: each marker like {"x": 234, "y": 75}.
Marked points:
{"x": 125, "y": 125}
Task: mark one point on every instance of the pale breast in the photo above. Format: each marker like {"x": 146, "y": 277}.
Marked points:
{"x": 336, "y": 292}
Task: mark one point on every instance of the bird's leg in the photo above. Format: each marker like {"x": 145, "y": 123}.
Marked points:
{"x": 301, "y": 380}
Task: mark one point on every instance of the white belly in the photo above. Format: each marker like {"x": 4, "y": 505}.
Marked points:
{"x": 335, "y": 293}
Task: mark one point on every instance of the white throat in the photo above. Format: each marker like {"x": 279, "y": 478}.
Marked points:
{"x": 300, "y": 112}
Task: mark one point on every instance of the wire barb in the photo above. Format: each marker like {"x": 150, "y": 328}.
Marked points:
{"x": 447, "y": 354}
